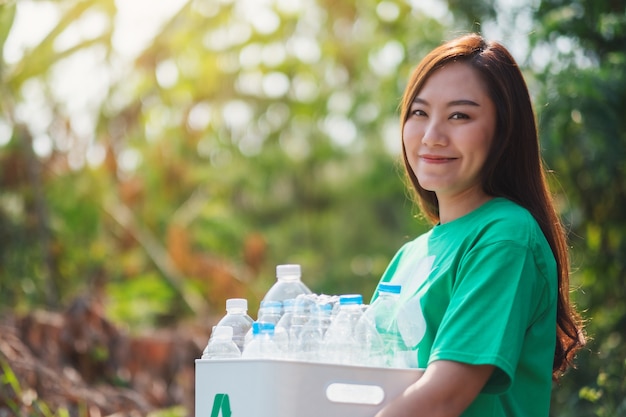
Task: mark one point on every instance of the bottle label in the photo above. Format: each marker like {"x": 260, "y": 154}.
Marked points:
{"x": 221, "y": 402}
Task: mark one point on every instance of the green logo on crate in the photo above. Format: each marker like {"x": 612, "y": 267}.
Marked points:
{"x": 221, "y": 403}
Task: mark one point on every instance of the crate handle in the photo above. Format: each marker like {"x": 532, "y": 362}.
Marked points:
{"x": 339, "y": 392}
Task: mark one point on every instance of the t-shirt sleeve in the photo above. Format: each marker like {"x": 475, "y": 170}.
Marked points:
{"x": 497, "y": 292}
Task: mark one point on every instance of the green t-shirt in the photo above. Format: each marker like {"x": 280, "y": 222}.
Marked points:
{"x": 482, "y": 289}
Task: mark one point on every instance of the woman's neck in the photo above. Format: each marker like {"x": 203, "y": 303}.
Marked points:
{"x": 456, "y": 206}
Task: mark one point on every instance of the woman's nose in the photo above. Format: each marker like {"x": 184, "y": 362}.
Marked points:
{"x": 434, "y": 134}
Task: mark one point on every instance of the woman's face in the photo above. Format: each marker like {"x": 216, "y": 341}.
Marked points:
{"x": 449, "y": 131}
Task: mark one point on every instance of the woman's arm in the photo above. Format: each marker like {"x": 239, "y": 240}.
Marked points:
{"x": 446, "y": 389}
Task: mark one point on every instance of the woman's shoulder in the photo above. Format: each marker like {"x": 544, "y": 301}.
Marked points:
{"x": 503, "y": 211}
{"x": 498, "y": 213}
{"x": 498, "y": 220}
{"x": 506, "y": 220}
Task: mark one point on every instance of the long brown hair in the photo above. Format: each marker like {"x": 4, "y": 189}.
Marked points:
{"x": 513, "y": 169}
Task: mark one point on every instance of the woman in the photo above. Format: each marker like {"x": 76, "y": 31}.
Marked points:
{"x": 485, "y": 292}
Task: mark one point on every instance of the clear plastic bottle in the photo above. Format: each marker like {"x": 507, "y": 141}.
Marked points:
{"x": 269, "y": 312}
{"x": 325, "y": 316}
{"x": 383, "y": 314}
{"x": 262, "y": 345}
{"x": 370, "y": 350}
{"x": 281, "y": 331}
{"x": 288, "y": 283}
{"x": 221, "y": 345}
{"x": 339, "y": 345}
{"x": 309, "y": 344}
{"x": 237, "y": 317}
{"x": 300, "y": 317}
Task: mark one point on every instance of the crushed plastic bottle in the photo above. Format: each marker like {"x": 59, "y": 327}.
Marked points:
{"x": 309, "y": 343}
{"x": 281, "y": 331}
{"x": 339, "y": 345}
{"x": 300, "y": 317}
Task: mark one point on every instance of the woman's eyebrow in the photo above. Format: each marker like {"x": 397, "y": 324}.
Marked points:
{"x": 460, "y": 102}
{"x": 463, "y": 102}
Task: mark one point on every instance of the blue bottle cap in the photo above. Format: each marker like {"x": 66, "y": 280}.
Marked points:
{"x": 350, "y": 299}
{"x": 390, "y": 288}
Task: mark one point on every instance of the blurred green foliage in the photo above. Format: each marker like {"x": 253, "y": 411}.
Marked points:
{"x": 582, "y": 103}
{"x": 275, "y": 122}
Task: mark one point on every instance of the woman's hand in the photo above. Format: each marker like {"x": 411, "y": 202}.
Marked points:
{"x": 446, "y": 389}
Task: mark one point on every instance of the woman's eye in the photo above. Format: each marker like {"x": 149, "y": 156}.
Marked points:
{"x": 418, "y": 112}
{"x": 458, "y": 116}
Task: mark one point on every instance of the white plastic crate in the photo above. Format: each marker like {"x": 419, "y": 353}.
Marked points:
{"x": 277, "y": 388}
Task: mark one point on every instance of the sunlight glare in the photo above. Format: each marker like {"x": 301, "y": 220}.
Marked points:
{"x": 340, "y": 102}
{"x": 224, "y": 38}
{"x": 6, "y": 132}
{"x": 385, "y": 61}
{"x": 391, "y": 134}
{"x": 367, "y": 112}
{"x": 237, "y": 114}
{"x": 91, "y": 25}
{"x": 304, "y": 88}
{"x": 33, "y": 21}
{"x": 251, "y": 55}
{"x": 42, "y": 145}
{"x": 96, "y": 154}
{"x": 277, "y": 114}
{"x": 437, "y": 9}
{"x": 273, "y": 54}
{"x": 259, "y": 14}
{"x": 137, "y": 22}
{"x": 289, "y": 7}
{"x": 167, "y": 74}
{"x": 340, "y": 129}
{"x": 199, "y": 116}
{"x": 388, "y": 11}
{"x": 305, "y": 48}
{"x": 275, "y": 84}
{"x": 129, "y": 160}
{"x": 250, "y": 83}
{"x": 33, "y": 109}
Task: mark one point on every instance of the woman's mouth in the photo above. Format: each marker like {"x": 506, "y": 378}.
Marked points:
{"x": 436, "y": 159}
